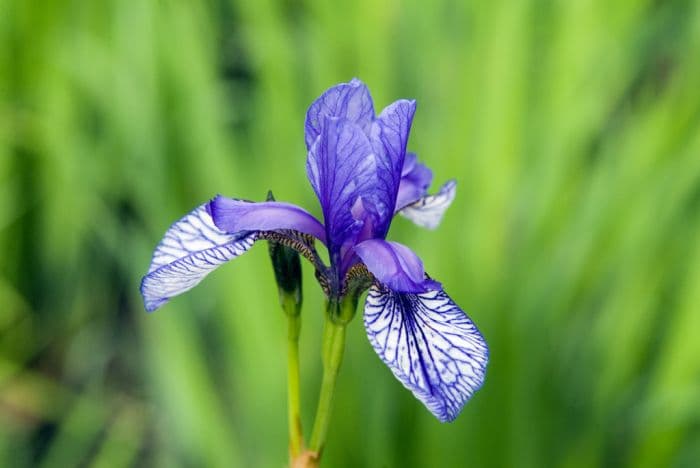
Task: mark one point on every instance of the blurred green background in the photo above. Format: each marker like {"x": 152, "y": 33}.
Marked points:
{"x": 573, "y": 128}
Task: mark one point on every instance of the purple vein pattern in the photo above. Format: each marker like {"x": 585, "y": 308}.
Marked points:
{"x": 429, "y": 344}
{"x": 190, "y": 250}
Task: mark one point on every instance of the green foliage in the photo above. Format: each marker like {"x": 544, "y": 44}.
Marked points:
{"x": 571, "y": 126}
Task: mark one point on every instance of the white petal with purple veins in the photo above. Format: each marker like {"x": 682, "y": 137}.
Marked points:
{"x": 429, "y": 344}
{"x": 428, "y": 211}
{"x": 190, "y": 250}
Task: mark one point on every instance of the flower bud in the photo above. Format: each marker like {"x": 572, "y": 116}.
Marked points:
{"x": 287, "y": 268}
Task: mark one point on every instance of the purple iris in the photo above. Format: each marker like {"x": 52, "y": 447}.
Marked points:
{"x": 358, "y": 166}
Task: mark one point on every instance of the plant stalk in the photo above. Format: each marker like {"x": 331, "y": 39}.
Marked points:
{"x": 296, "y": 436}
{"x": 338, "y": 315}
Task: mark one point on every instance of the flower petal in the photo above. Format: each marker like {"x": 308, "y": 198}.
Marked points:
{"x": 428, "y": 211}
{"x": 191, "y": 249}
{"x": 429, "y": 344}
{"x": 350, "y": 101}
{"x": 341, "y": 168}
{"x": 389, "y": 135}
{"x": 415, "y": 180}
{"x": 395, "y": 265}
{"x": 234, "y": 216}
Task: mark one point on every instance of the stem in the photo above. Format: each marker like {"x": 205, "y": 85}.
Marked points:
{"x": 296, "y": 437}
{"x": 337, "y": 317}
{"x": 335, "y": 340}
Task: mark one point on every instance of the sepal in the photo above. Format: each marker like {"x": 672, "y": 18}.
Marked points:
{"x": 286, "y": 266}
{"x": 191, "y": 249}
{"x": 428, "y": 211}
{"x": 429, "y": 344}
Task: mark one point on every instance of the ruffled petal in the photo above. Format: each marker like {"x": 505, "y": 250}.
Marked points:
{"x": 429, "y": 344}
{"x": 190, "y": 250}
{"x": 234, "y": 216}
{"x": 415, "y": 180}
{"x": 395, "y": 265}
{"x": 428, "y": 211}
{"x": 389, "y": 135}
{"x": 351, "y": 101}
{"x": 342, "y": 169}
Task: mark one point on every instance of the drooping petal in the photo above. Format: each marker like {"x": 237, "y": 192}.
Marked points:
{"x": 389, "y": 134}
{"x": 395, "y": 265}
{"x": 341, "y": 168}
{"x": 429, "y": 344}
{"x": 233, "y": 216}
{"x": 350, "y": 101}
{"x": 415, "y": 180}
{"x": 428, "y": 211}
{"x": 191, "y": 249}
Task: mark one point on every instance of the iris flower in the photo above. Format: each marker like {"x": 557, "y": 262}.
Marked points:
{"x": 362, "y": 175}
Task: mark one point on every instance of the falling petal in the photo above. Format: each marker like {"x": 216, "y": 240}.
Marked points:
{"x": 191, "y": 249}
{"x": 429, "y": 344}
{"x": 429, "y": 210}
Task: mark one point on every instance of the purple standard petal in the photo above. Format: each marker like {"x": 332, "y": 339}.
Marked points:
{"x": 190, "y": 250}
{"x": 234, "y": 216}
{"x": 428, "y": 211}
{"x": 415, "y": 180}
{"x": 429, "y": 344}
{"x": 389, "y": 136}
{"x": 350, "y": 101}
{"x": 342, "y": 169}
{"x": 395, "y": 265}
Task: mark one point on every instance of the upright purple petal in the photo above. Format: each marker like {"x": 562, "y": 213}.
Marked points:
{"x": 191, "y": 249}
{"x": 342, "y": 169}
{"x": 395, "y": 265}
{"x": 350, "y": 101}
{"x": 389, "y": 134}
{"x": 234, "y": 216}
{"x": 415, "y": 180}
{"x": 428, "y": 211}
{"x": 429, "y": 344}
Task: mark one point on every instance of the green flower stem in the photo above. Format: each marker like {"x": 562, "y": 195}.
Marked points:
{"x": 337, "y": 317}
{"x": 296, "y": 437}
{"x": 335, "y": 335}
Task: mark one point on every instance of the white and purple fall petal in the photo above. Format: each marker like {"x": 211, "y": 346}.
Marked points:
{"x": 429, "y": 344}
{"x": 191, "y": 249}
{"x": 428, "y": 211}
